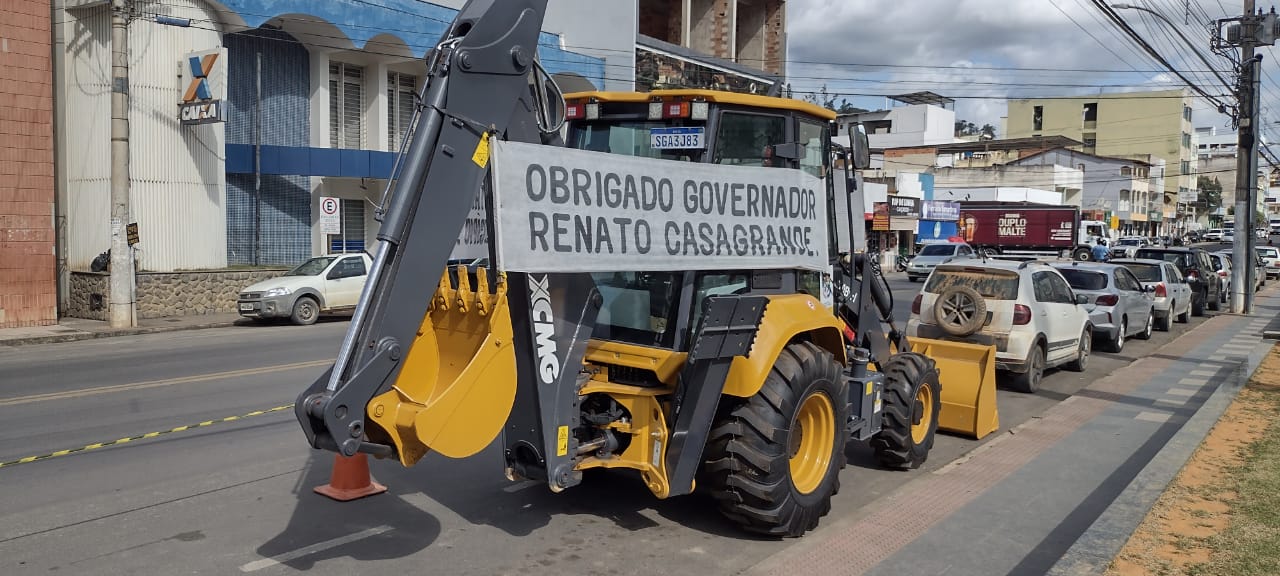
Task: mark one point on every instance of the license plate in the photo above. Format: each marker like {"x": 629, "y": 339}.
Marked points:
{"x": 246, "y": 307}
{"x": 676, "y": 138}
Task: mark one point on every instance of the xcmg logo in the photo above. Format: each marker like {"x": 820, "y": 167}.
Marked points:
{"x": 544, "y": 329}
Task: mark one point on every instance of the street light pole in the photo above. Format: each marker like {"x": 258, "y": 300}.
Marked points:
{"x": 121, "y": 308}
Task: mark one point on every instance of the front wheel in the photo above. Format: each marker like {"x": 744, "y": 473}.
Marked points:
{"x": 1145, "y": 334}
{"x": 1082, "y": 255}
{"x": 773, "y": 460}
{"x": 912, "y": 401}
{"x": 305, "y": 311}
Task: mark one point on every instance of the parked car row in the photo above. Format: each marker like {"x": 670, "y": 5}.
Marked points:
{"x": 1041, "y": 315}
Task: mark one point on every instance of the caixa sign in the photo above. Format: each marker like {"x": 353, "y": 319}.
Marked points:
{"x": 203, "y": 87}
{"x": 203, "y": 112}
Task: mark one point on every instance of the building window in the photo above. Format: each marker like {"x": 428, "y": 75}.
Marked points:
{"x": 400, "y": 97}
{"x": 1186, "y": 140}
{"x": 1186, "y": 113}
{"x": 1125, "y": 171}
{"x": 352, "y": 237}
{"x": 1185, "y": 168}
{"x": 1037, "y": 118}
{"x": 1090, "y": 140}
{"x": 346, "y": 105}
{"x": 1090, "y": 114}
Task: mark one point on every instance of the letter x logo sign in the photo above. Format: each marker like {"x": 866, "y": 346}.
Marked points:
{"x": 200, "y": 68}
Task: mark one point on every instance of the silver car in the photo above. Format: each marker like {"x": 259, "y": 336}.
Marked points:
{"x": 1172, "y": 293}
{"x": 931, "y": 255}
{"x": 1123, "y": 307}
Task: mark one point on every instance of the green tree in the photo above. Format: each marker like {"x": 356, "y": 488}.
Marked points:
{"x": 1210, "y": 195}
{"x": 828, "y": 100}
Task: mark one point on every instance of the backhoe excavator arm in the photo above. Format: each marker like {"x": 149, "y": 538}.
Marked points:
{"x": 477, "y": 84}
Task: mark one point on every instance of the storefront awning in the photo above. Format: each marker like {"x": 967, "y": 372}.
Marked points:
{"x": 305, "y": 161}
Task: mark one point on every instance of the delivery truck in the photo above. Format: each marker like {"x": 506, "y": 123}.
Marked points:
{"x": 1018, "y": 229}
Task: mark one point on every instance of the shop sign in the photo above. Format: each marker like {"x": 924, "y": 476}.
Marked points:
{"x": 940, "y": 211}
{"x": 880, "y": 217}
{"x": 204, "y": 87}
{"x": 904, "y": 206}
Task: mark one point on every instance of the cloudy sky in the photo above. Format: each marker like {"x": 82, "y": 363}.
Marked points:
{"x": 982, "y": 51}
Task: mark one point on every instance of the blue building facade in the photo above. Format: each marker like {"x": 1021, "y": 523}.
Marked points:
{"x": 324, "y": 88}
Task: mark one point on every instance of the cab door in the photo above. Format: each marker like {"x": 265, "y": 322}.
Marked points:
{"x": 344, "y": 281}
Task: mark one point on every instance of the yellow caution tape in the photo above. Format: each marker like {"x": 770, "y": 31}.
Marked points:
{"x": 30, "y": 459}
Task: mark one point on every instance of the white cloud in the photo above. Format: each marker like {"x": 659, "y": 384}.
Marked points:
{"x": 965, "y": 49}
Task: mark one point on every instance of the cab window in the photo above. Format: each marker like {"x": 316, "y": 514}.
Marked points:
{"x": 812, "y": 137}
{"x": 742, "y": 138}
{"x": 715, "y": 284}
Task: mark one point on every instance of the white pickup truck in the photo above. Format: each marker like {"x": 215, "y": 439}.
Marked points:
{"x": 321, "y": 285}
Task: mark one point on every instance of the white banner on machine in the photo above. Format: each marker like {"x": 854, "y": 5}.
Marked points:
{"x": 565, "y": 210}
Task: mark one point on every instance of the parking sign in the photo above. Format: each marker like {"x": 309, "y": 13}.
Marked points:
{"x": 330, "y": 215}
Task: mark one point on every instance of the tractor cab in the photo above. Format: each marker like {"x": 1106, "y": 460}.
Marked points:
{"x": 661, "y": 309}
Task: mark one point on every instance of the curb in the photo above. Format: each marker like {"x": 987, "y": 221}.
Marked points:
{"x": 77, "y": 336}
{"x": 1095, "y": 550}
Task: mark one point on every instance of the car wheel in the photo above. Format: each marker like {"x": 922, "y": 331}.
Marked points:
{"x": 1184, "y": 317}
{"x": 1029, "y": 381}
{"x": 1082, "y": 353}
{"x": 1213, "y": 302}
{"x": 305, "y": 311}
{"x": 960, "y": 311}
{"x": 1197, "y": 305}
{"x": 1083, "y": 255}
{"x": 1145, "y": 334}
{"x": 1116, "y": 344}
{"x": 1163, "y": 324}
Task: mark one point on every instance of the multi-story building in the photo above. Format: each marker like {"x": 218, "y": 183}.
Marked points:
{"x": 922, "y": 119}
{"x": 28, "y": 287}
{"x": 293, "y": 101}
{"x": 735, "y": 45}
{"x": 1127, "y": 188}
{"x": 1121, "y": 125}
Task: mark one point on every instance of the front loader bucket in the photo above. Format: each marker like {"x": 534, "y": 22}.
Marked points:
{"x": 967, "y": 373}
{"x": 458, "y": 383}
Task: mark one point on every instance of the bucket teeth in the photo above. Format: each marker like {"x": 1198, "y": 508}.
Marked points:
{"x": 482, "y": 291}
{"x": 463, "y": 295}
{"x": 443, "y": 293}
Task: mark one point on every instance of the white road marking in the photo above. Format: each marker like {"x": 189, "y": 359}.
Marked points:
{"x": 1152, "y": 417}
{"x": 1171, "y": 403}
{"x": 1181, "y": 392}
{"x": 1193, "y": 381}
{"x": 312, "y": 549}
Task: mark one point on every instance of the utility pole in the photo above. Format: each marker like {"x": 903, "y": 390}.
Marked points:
{"x": 121, "y": 309}
{"x": 1249, "y": 31}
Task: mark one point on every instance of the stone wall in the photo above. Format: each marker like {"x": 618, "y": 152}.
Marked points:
{"x": 163, "y": 294}
{"x": 90, "y": 293}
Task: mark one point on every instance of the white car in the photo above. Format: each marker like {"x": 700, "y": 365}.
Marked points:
{"x": 1172, "y": 293}
{"x": 1025, "y": 309}
{"x": 1126, "y": 246}
{"x": 320, "y": 285}
{"x": 1271, "y": 255}
{"x": 1214, "y": 234}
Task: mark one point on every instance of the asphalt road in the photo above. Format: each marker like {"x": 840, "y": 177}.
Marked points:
{"x": 235, "y": 497}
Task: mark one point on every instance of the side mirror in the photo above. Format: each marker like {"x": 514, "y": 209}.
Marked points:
{"x": 1082, "y": 298}
{"x": 859, "y": 146}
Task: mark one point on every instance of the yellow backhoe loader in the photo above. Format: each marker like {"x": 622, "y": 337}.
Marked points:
{"x": 661, "y": 288}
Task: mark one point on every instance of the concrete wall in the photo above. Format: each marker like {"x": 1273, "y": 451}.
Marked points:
{"x": 163, "y": 295}
{"x": 1103, "y": 181}
{"x": 28, "y": 285}
{"x": 996, "y": 194}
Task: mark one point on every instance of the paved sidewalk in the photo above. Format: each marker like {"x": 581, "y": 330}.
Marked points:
{"x": 1059, "y": 494}
{"x": 72, "y": 329}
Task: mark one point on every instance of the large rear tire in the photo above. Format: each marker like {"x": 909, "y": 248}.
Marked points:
{"x": 912, "y": 402}
{"x": 773, "y": 460}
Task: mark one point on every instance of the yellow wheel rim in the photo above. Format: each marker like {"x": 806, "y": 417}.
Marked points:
{"x": 812, "y": 439}
{"x": 924, "y": 402}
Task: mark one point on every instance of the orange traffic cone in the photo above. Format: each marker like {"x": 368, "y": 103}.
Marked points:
{"x": 350, "y": 479}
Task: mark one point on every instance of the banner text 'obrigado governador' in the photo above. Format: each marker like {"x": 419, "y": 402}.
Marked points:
{"x": 578, "y": 211}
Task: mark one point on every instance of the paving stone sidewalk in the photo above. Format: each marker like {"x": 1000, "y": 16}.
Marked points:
{"x": 1061, "y": 493}
{"x": 72, "y": 329}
